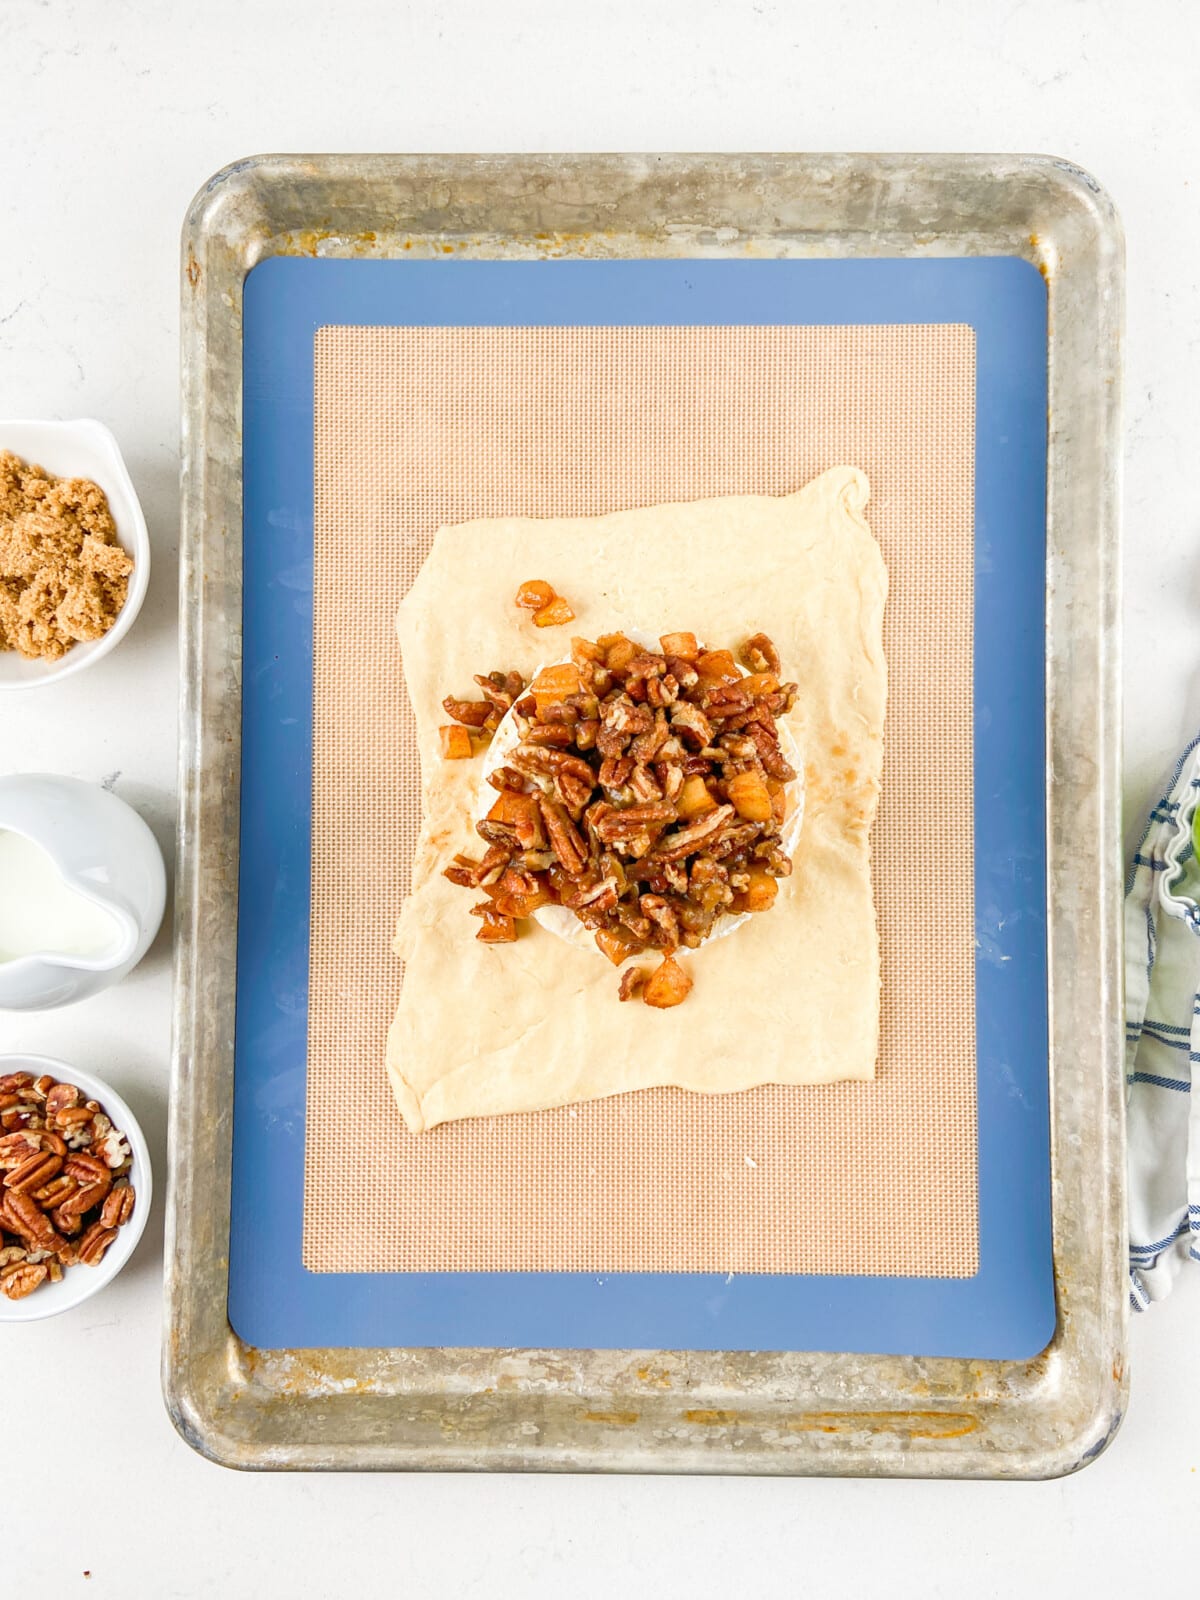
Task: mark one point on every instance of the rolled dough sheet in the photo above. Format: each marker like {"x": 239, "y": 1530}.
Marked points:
{"x": 792, "y": 997}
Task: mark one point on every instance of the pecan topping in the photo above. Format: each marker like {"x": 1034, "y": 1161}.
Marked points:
{"x": 645, "y": 795}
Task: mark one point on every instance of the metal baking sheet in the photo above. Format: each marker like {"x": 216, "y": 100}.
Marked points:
{"x": 704, "y": 1410}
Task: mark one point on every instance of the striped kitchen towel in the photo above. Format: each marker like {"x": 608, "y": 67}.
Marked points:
{"x": 1162, "y": 1040}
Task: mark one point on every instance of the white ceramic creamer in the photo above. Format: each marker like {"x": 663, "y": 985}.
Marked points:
{"x": 82, "y": 890}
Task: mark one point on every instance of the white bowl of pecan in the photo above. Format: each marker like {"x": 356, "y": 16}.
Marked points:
{"x": 74, "y": 1186}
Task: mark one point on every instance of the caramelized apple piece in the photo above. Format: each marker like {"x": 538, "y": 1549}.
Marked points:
{"x": 554, "y": 614}
{"x": 694, "y": 798}
{"x": 497, "y": 928}
{"x": 683, "y": 645}
{"x": 760, "y": 683}
{"x": 535, "y": 595}
{"x": 718, "y": 666}
{"x": 554, "y": 684}
{"x": 759, "y": 895}
{"x": 522, "y": 813}
{"x": 584, "y": 650}
{"x": 616, "y": 943}
{"x": 618, "y": 651}
{"x": 750, "y": 797}
{"x": 668, "y": 986}
{"x": 456, "y": 742}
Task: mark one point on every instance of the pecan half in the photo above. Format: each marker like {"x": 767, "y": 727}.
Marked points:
{"x": 632, "y": 981}
{"x": 33, "y": 1172}
{"x": 472, "y": 713}
{"x": 94, "y": 1243}
{"x": 759, "y": 654}
{"x": 695, "y": 836}
{"x": 22, "y": 1278}
{"x": 565, "y": 838}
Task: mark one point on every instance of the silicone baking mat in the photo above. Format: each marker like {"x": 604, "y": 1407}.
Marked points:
{"x": 418, "y": 421}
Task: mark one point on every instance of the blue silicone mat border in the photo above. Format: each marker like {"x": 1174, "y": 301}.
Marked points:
{"x": 1007, "y": 1309}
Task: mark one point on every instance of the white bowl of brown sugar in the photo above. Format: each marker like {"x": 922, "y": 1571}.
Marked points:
{"x": 74, "y": 551}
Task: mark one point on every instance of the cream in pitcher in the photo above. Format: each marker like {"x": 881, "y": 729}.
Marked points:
{"x": 82, "y": 890}
{"x": 39, "y": 913}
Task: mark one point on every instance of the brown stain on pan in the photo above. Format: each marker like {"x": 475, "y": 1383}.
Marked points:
{"x": 912, "y": 1424}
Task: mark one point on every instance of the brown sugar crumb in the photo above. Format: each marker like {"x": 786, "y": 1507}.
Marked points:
{"x": 63, "y": 576}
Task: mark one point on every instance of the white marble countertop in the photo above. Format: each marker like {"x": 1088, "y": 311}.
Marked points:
{"x": 110, "y": 118}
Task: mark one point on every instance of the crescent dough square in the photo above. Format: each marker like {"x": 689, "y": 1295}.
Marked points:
{"x": 792, "y": 997}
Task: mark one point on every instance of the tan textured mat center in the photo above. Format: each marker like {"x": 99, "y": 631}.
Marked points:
{"x": 416, "y": 427}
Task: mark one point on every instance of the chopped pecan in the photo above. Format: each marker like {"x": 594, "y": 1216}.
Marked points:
{"x": 759, "y": 654}
{"x": 573, "y": 792}
{"x": 670, "y": 778}
{"x": 644, "y": 785}
{"x": 695, "y": 835}
{"x": 565, "y": 839}
{"x": 644, "y": 747}
{"x": 547, "y": 764}
{"x": 632, "y": 981}
{"x": 621, "y": 715}
{"x": 473, "y": 713}
{"x": 499, "y": 835}
{"x": 557, "y": 734}
{"x": 688, "y": 720}
{"x": 616, "y": 771}
{"x": 766, "y": 745}
{"x": 623, "y": 824}
{"x": 663, "y": 914}
{"x": 727, "y": 702}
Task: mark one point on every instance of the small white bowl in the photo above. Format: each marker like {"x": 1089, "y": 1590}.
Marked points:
{"x": 83, "y": 449}
{"x": 104, "y": 852}
{"x": 80, "y": 1283}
